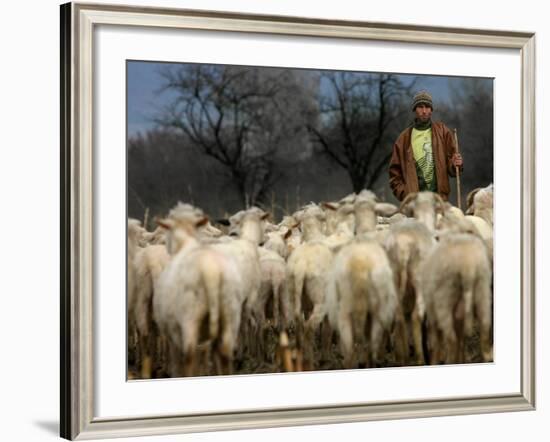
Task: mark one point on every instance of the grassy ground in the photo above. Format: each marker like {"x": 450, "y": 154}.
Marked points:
{"x": 272, "y": 363}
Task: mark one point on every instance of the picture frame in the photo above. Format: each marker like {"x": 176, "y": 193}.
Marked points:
{"x": 80, "y": 203}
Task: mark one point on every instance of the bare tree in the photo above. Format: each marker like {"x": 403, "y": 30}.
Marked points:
{"x": 237, "y": 115}
{"x": 359, "y": 116}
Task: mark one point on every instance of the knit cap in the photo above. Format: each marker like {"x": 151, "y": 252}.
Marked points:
{"x": 422, "y": 97}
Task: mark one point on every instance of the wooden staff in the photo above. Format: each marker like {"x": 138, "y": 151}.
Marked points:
{"x": 457, "y": 171}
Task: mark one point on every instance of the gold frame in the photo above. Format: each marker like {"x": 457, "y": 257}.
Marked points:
{"x": 77, "y": 25}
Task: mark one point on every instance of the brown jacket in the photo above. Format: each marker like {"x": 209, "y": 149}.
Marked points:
{"x": 403, "y": 178}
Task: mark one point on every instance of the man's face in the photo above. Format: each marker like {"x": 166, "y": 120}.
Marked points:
{"x": 423, "y": 112}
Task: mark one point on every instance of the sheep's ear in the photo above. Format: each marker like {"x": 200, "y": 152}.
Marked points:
{"x": 329, "y": 206}
{"x": 287, "y": 234}
{"x": 265, "y": 216}
{"x": 406, "y": 205}
{"x": 167, "y": 224}
{"x": 223, "y": 222}
{"x": 386, "y": 209}
{"x": 470, "y": 197}
{"x": 295, "y": 225}
{"x": 202, "y": 222}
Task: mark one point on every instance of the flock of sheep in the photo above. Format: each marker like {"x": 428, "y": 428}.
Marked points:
{"x": 358, "y": 278}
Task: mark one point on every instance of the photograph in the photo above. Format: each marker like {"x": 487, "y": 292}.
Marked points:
{"x": 274, "y": 220}
{"x": 285, "y": 219}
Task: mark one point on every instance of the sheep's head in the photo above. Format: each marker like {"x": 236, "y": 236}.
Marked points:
{"x": 311, "y": 211}
{"x": 484, "y": 198}
{"x": 181, "y": 233}
{"x": 470, "y": 201}
{"x": 480, "y": 203}
{"x": 184, "y": 210}
{"x": 247, "y": 224}
{"x": 424, "y": 206}
{"x": 367, "y": 208}
{"x": 310, "y": 219}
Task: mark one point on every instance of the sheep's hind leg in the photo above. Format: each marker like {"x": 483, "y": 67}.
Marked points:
{"x": 346, "y": 341}
{"x": 416, "y": 324}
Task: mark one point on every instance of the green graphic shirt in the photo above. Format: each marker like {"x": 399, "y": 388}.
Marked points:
{"x": 421, "y": 141}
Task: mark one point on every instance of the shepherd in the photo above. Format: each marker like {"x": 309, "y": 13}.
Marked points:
{"x": 425, "y": 154}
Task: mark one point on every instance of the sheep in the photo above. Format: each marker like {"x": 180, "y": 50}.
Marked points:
{"x": 295, "y": 238}
{"x": 480, "y": 203}
{"x": 307, "y": 271}
{"x": 146, "y": 264}
{"x": 244, "y": 251}
{"x": 311, "y": 220}
{"x": 293, "y": 241}
{"x": 315, "y": 253}
{"x": 273, "y": 270}
{"x": 396, "y": 218}
{"x": 361, "y": 300}
{"x": 485, "y": 231}
{"x": 453, "y": 221}
{"x": 455, "y": 281}
{"x": 198, "y": 283}
{"x": 272, "y": 287}
{"x": 149, "y": 263}
{"x": 426, "y": 206}
{"x": 134, "y": 233}
{"x": 408, "y": 243}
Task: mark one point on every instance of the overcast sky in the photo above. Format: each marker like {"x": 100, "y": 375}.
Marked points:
{"x": 145, "y": 100}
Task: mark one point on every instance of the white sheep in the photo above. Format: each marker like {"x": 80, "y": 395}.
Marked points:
{"x": 455, "y": 281}
{"x": 361, "y": 291}
{"x": 246, "y": 225}
{"x": 307, "y": 273}
{"x": 149, "y": 263}
{"x": 408, "y": 243}
{"x": 273, "y": 291}
{"x": 199, "y": 283}
{"x": 134, "y": 234}
{"x": 480, "y": 203}
{"x": 455, "y": 222}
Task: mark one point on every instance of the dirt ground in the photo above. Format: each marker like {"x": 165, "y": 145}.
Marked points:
{"x": 273, "y": 362}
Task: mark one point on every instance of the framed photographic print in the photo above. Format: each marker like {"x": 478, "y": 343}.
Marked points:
{"x": 207, "y": 157}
